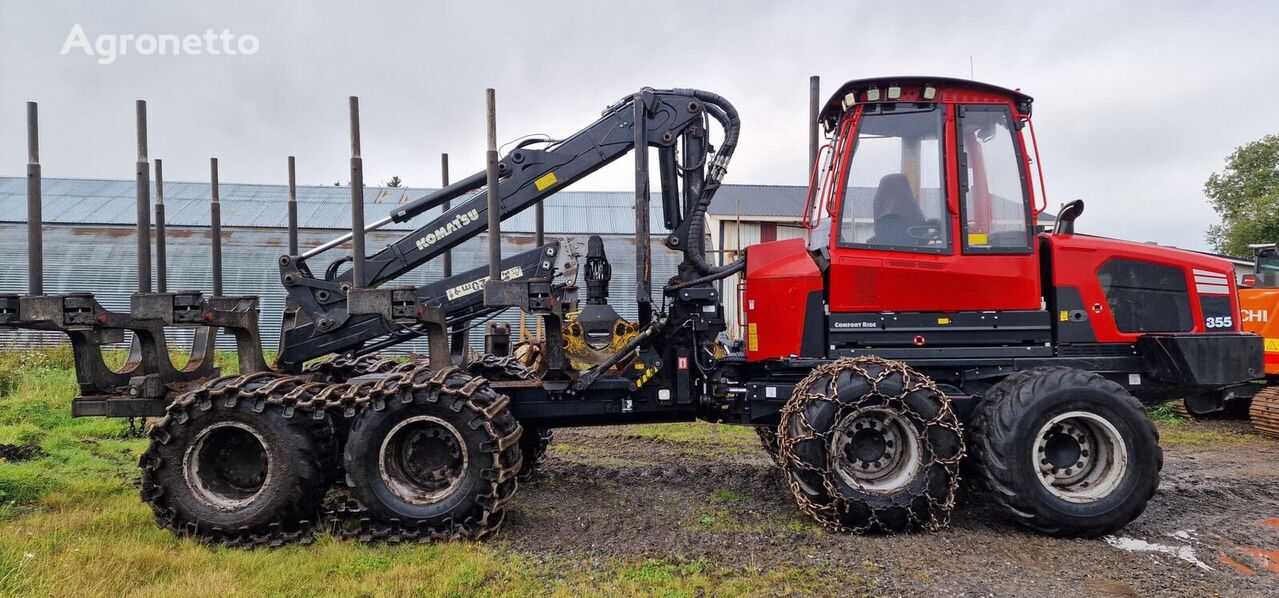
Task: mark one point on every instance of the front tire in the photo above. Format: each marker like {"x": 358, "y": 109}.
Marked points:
{"x": 869, "y": 444}
{"x": 1066, "y": 452}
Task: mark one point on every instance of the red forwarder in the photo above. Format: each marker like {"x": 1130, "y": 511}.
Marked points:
{"x": 923, "y": 322}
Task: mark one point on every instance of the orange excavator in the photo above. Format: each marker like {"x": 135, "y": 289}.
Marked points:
{"x": 1259, "y": 313}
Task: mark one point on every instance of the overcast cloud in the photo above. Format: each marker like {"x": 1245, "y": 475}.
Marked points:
{"x": 1135, "y": 104}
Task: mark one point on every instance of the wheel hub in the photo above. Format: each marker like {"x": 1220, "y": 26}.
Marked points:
{"x": 1080, "y": 456}
{"x": 876, "y": 449}
{"x": 227, "y": 465}
{"x": 1065, "y": 448}
{"x": 430, "y": 456}
{"x": 423, "y": 459}
{"x": 872, "y": 447}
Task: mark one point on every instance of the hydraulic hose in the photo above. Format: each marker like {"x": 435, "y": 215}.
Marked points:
{"x": 723, "y": 272}
{"x": 726, "y": 114}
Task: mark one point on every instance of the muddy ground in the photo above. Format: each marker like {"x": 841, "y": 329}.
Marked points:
{"x": 713, "y": 495}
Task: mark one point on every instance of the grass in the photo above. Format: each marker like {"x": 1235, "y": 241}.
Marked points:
{"x": 698, "y": 433}
{"x": 71, "y": 523}
{"x": 1175, "y": 430}
{"x": 729, "y": 511}
{"x": 1165, "y": 417}
{"x": 1178, "y": 436}
{"x": 699, "y": 439}
{"x": 596, "y": 456}
{"x": 728, "y": 497}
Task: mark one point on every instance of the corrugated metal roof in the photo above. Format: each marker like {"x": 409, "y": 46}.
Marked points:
{"x": 786, "y": 201}
{"x": 100, "y": 201}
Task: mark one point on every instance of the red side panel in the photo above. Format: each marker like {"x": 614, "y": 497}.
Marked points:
{"x": 1077, "y": 259}
{"x": 867, "y": 280}
{"x": 779, "y": 277}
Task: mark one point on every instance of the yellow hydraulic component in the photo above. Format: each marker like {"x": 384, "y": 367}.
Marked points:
{"x": 587, "y": 348}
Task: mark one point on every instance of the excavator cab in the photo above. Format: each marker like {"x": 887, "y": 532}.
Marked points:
{"x": 1259, "y": 302}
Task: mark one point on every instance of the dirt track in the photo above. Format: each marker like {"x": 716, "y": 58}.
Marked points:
{"x": 1212, "y": 529}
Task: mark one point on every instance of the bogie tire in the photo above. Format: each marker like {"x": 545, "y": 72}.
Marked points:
{"x": 839, "y": 391}
{"x": 481, "y": 481}
{"x": 533, "y": 445}
{"x": 768, "y": 441}
{"x": 535, "y": 440}
{"x": 1007, "y": 431}
{"x": 196, "y": 501}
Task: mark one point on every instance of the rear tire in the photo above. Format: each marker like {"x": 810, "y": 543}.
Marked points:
{"x": 1066, "y": 452}
{"x": 534, "y": 441}
{"x": 441, "y": 453}
{"x": 225, "y": 466}
{"x": 869, "y": 444}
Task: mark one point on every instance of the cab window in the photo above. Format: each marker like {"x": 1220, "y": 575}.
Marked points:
{"x": 992, "y": 182}
{"x": 821, "y": 191}
{"x": 893, "y": 192}
{"x": 1268, "y": 269}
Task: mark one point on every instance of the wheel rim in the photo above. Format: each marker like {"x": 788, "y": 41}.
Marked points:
{"x": 423, "y": 460}
{"x": 876, "y": 450}
{"x": 1080, "y": 457}
{"x": 227, "y": 465}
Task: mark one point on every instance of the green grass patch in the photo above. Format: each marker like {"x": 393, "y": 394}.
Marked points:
{"x": 1164, "y": 416}
{"x": 695, "y": 433}
{"x": 1178, "y": 435}
{"x": 83, "y": 458}
{"x": 699, "y": 439}
{"x": 597, "y": 456}
{"x": 71, "y": 522}
{"x": 723, "y": 519}
{"x": 730, "y": 497}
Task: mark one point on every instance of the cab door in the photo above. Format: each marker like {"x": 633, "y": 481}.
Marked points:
{"x": 935, "y": 214}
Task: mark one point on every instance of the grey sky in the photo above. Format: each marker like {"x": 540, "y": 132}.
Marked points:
{"x": 1135, "y": 104}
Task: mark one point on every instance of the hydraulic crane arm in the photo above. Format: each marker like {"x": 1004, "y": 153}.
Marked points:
{"x": 527, "y": 176}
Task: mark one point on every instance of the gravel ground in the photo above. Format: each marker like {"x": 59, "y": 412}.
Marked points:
{"x": 714, "y": 495}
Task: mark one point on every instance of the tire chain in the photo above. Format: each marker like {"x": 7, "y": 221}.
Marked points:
{"x": 301, "y": 395}
{"x": 828, "y": 514}
{"x": 768, "y": 438}
{"x": 228, "y": 389}
{"x": 340, "y": 368}
{"x": 509, "y": 368}
{"x": 500, "y": 368}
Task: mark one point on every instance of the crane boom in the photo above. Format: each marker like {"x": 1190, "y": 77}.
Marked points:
{"x": 317, "y": 322}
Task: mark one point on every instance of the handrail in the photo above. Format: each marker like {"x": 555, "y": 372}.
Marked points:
{"x": 1043, "y": 193}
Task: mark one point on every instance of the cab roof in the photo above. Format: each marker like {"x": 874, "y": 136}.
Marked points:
{"x": 834, "y": 106}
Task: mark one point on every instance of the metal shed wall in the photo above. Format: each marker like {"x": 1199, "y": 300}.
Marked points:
{"x": 111, "y": 202}
{"x": 102, "y": 260}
